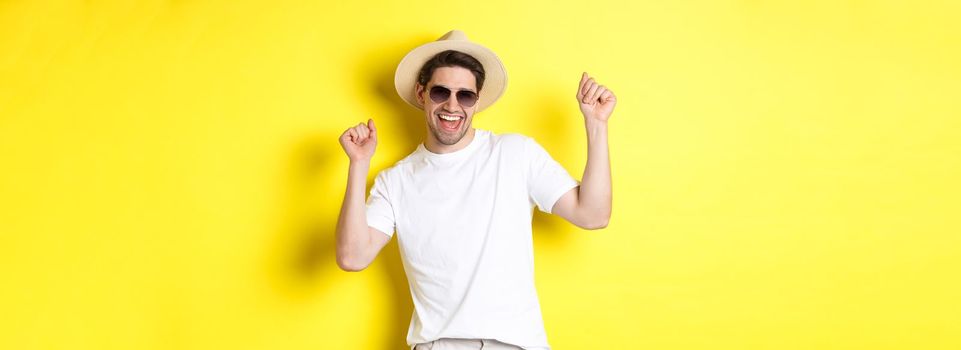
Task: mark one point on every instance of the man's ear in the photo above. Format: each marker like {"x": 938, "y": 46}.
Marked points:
{"x": 419, "y": 93}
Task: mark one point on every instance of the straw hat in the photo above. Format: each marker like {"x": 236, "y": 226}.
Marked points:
{"x": 495, "y": 79}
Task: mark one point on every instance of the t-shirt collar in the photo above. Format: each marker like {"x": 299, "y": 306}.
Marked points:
{"x": 480, "y": 136}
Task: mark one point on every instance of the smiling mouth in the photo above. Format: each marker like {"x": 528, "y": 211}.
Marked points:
{"x": 450, "y": 122}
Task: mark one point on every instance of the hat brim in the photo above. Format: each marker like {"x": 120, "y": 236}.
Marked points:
{"x": 495, "y": 76}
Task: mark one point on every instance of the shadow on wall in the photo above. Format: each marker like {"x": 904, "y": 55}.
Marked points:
{"x": 377, "y": 71}
{"x": 304, "y": 247}
{"x": 303, "y": 253}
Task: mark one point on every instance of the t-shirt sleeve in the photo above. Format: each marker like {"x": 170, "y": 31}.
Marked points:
{"x": 380, "y": 212}
{"x": 547, "y": 180}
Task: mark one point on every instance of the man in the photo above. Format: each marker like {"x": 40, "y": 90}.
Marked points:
{"x": 462, "y": 202}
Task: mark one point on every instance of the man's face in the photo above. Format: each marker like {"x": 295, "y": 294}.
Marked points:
{"x": 448, "y": 120}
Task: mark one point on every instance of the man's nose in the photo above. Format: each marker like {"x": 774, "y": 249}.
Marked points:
{"x": 452, "y": 104}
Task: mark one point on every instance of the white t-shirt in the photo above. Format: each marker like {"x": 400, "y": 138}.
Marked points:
{"x": 463, "y": 222}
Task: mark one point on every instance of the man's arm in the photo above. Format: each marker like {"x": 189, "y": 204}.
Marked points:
{"x": 357, "y": 243}
{"x": 589, "y": 205}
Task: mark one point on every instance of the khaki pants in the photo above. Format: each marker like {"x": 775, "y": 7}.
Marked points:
{"x": 465, "y": 344}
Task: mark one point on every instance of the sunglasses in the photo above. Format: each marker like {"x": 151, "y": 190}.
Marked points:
{"x": 440, "y": 94}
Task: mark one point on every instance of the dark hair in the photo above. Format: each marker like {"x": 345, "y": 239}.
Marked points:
{"x": 451, "y": 58}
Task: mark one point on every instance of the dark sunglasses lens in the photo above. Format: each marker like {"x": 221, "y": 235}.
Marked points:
{"x": 439, "y": 94}
{"x": 466, "y": 98}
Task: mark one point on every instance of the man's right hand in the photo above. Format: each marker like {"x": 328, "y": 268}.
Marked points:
{"x": 359, "y": 142}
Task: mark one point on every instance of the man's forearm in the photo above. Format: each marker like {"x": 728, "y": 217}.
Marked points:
{"x": 352, "y": 231}
{"x": 594, "y": 195}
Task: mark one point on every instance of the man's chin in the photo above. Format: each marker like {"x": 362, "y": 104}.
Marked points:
{"x": 449, "y": 139}
{"x": 449, "y": 142}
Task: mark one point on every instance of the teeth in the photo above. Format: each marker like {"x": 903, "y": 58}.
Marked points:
{"x": 449, "y": 117}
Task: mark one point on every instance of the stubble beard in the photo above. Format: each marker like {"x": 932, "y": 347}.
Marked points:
{"x": 446, "y": 138}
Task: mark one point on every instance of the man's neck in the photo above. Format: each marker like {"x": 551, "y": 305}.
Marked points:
{"x": 435, "y": 146}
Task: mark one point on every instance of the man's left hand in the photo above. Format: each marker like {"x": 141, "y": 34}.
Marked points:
{"x": 596, "y": 101}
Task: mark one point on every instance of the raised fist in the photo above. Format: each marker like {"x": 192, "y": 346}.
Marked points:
{"x": 360, "y": 141}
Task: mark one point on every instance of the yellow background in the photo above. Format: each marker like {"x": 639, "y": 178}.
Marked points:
{"x": 786, "y": 174}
